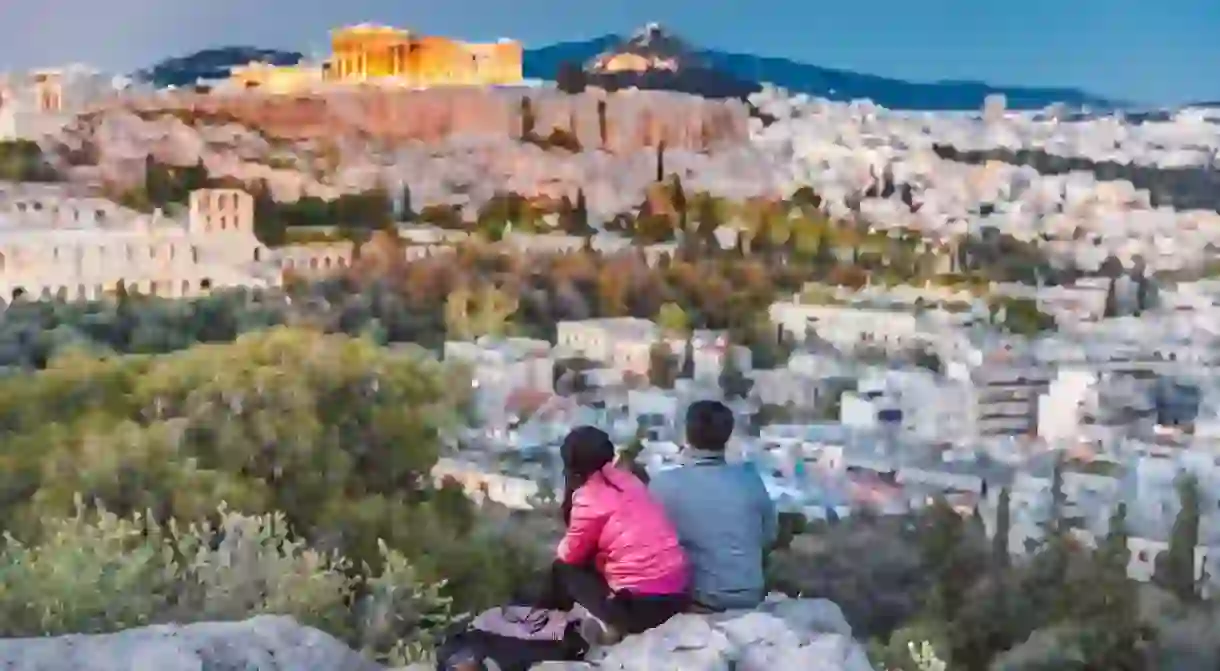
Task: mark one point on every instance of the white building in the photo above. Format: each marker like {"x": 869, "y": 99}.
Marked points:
{"x": 500, "y": 367}
{"x": 56, "y": 247}
{"x": 622, "y": 343}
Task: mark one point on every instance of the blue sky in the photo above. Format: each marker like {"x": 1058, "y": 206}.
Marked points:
{"x": 1158, "y": 51}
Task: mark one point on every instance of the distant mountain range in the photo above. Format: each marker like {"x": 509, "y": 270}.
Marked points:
{"x": 656, "y": 59}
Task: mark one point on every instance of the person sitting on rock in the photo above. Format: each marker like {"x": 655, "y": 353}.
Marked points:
{"x": 725, "y": 518}
{"x": 620, "y": 559}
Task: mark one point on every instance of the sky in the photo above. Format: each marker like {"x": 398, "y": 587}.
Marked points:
{"x": 1145, "y": 51}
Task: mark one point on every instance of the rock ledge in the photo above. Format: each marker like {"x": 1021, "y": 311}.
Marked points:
{"x": 781, "y": 634}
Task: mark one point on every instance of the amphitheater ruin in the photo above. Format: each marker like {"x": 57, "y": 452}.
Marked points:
{"x": 57, "y": 247}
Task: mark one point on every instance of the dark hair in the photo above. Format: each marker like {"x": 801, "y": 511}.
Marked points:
{"x": 709, "y": 425}
{"x": 585, "y": 451}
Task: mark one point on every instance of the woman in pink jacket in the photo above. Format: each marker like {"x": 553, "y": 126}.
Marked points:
{"x": 620, "y": 558}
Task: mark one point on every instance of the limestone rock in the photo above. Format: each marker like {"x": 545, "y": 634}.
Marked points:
{"x": 781, "y": 634}
{"x": 265, "y": 643}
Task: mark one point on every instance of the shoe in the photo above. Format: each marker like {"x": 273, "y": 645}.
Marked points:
{"x": 596, "y": 632}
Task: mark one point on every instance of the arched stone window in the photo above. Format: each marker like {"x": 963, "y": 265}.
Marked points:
{"x": 313, "y": 263}
{"x": 61, "y": 294}
{"x": 205, "y": 283}
{"x": 82, "y": 293}
{"x": 3, "y": 261}
{"x": 326, "y": 262}
{"x": 258, "y": 254}
{"x": 186, "y": 287}
{"x": 18, "y": 293}
{"x": 45, "y": 294}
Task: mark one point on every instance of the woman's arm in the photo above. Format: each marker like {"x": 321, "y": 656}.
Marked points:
{"x": 579, "y": 544}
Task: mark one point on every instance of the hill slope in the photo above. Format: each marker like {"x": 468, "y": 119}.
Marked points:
{"x": 747, "y": 71}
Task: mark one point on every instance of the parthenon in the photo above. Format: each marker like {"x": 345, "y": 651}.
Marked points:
{"x": 386, "y": 55}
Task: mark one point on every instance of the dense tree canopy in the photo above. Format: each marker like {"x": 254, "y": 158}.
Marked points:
{"x": 336, "y": 433}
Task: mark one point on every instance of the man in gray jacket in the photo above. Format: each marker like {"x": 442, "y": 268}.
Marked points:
{"x": 724, "y": 516}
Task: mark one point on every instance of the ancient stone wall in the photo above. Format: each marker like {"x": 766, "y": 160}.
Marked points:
{"x": 628, "y": 120}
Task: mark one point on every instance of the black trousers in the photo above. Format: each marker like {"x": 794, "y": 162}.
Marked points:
{"x": 627, "y": 612}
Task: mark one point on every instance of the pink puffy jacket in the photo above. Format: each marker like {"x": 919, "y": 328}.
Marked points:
{"x": 625, "y": 533}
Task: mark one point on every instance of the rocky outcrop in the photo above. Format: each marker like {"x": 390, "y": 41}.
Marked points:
{"x": 266, "y": 643}
{"x": 456, "y": 147}
{"x": 781, "y": 634}
{"x": 632, "y": 119}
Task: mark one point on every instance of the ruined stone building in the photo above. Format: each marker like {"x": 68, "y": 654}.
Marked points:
{"x": 385, "y": 55}
{"x": 39, "y": 103}
{"x": 55, "y": 247}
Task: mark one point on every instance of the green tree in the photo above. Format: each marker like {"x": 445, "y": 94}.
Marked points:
{"x": 1003, "y": 526}
{"x": 733, "y": 382}
{"x": 678, "y": 197}
{"x": 662, "y": 366}
{"x": 157, "y": 187}
{"x": 950, "y": 555}
{"x": 707, "y": 221}
{"x": 602, "y": 124}
{"x": 688, "y": 361}
{"x": 527, "y": 118}
{"x": 406, "y": 211}
{"x": 580, "y": 215}
{"x": 1111, "y": 305}
{"x": 1142, "y": 294}
{"x": 269, "y": 225}
{"x": 672, "y": 319}
{"x": 1175, "y": 569}
{"x": 660, "y": 176}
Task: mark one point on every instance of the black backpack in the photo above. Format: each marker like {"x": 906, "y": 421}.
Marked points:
{"x": 510, "y": 638}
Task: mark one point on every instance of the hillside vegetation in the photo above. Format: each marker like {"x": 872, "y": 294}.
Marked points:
{"x": 286, "y": 472}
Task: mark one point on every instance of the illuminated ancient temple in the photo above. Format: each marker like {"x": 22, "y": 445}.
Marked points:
{"x": 385, "y": 55}
{"x": 367, "y": 52}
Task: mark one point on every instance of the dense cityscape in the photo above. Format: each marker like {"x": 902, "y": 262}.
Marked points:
{"x": 307, "y": 339}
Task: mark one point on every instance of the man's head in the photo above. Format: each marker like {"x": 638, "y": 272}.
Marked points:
{"x": 709, "y": 424}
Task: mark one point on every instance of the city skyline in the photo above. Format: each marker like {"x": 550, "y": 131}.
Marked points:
{"x": 1123, "y": 48}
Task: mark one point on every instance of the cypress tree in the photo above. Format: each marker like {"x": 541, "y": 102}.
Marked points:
{"x": 1111, "y": 307}
{"x": 1003, "y": 525}
{"x": 679, "y": 201}
{"x": 661, "y": 161}
{"x": 527, "y": 118}
{"x": 406, "y": 213}
{"x": 1176, "y": 567}
{"x": 602, "y": 126}
{"x": 580, "y": 213}
{"x": 688, "y": 361}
